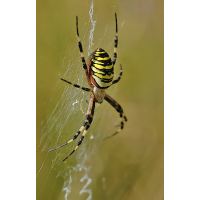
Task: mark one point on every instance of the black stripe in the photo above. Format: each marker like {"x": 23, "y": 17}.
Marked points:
{"x": 86, "y": 89}
{"x": 119, "y": 108}
{"x": 116, "y": 22}
{"x": 76, "y": 86}
{"x": 105, "y": 73}
{"x": 80, "y": 141}
{"x": 88, "y": 126}
{"x": 80, "y": 47}
{"x": 89, "y": 118}
{"x": 85, "y": 123}
{"x": 76, "y": 135}
{"x": 83, "y": 59}
{"x": 115, "y": 81}
{"x": 92, "y": 111}
{"x": 71, "y": 153}
{"x": 106, "y": 80}
{"x": 109, "y": 73}
{"x": 77, "y": 25}
{"x": 102, "y": 55}
{"x": 100, "y": 50}
{"x": 82, "y": 137}
{"x": 122, "y": 125}
{"x": 104, "y": 62}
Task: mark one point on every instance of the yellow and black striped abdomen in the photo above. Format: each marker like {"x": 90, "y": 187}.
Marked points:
{"x": 100, "y": 69}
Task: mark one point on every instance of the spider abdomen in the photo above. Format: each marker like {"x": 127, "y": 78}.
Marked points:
{"x": 100, "y": 69}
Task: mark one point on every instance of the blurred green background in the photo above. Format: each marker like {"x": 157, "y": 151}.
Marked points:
{"x": 131, "y": 164}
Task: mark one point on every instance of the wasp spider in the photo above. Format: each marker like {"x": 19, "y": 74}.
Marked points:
{"x": 99, "y": 72}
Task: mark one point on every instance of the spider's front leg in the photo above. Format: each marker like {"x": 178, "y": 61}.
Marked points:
{"x": 115, "y": 41}
{"x": 119, "y": 109}
{"x": 82, "y": 54}
{"x": 88, "y": 121}
{"x": 77, "y": 86}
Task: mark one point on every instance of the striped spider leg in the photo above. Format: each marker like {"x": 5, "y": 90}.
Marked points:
{"x": 119, "y": 109}
{"x": 85, "y": 126}
{"x": 82, "y": 54}
{"x": 119, "y": 77}
{"x": 115, "y": 42}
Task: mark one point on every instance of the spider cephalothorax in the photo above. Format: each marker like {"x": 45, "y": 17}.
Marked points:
{"x": 99, "y": 72}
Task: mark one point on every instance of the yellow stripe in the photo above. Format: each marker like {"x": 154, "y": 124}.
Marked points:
{"x": 97, "y": 71}
{"x": 100, "y": 58}
{"x": 103, "y": 67}
{"x": 70, "y": 141}
{"x": 98, "y": 52}
{"x": 84, "y": 133}
{"x": 100, "y": 83}
{"x": 82, "y": 55}
{"x": 81, "y": 129}
{"x": 97, "y": 62}
{"x": 76, "y": 148}
{"x": 105, "y": 76}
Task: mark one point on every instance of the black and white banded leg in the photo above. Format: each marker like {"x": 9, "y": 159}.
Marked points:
{"x": 115, "y": 42}
{"x": 88, "y": 121}
{"x": 119, "y": 109}
{"x": 75, "y": 136}
{"x": 119, "y": 77}
{"x": 77, "y": 86}
{"x": 82, "y": 54}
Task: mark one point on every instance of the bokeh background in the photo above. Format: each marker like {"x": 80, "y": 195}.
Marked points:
{"x": 131, "y": 164}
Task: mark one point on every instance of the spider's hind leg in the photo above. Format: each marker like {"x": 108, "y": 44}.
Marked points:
{"x": 88, "y": 121}
{"x": 75, "y": 136}
{"x": 119, "y": 109}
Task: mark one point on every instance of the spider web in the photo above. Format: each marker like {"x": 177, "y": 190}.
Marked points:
{"x": 65, "y": 120}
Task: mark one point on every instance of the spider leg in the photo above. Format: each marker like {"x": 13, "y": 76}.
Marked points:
{"x": 119, "y": 77}
{"x": 75, "y": 136}
{"x": 82, "y": 54}
{"x": 119, "y": 109}
{"x": 88, "y": 121}
{"x": 116, "y": 41}
{"x": 77, "y": 86}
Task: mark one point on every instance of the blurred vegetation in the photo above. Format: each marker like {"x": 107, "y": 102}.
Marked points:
{"x": 131, "y": 164}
